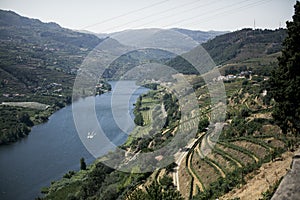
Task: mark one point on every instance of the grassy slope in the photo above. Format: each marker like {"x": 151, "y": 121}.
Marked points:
{"x": 254, "y": 139}
{"x": 241, "y": 49}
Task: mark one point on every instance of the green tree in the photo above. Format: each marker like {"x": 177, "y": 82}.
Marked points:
{"x": 245, "y": 112}
{"x": 155, "y": 192}
{"x": 25, "y": 118}
{"x": 138, "y": 120}
{"x": 203, "y": 124}
{"x": 285, "y": 79}
{"x": 82, "y": 164}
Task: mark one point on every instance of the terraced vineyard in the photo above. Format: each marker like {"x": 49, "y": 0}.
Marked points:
{"x": 211, "y": 168}
{"x": 249, "y": 151}
{"x": 228, "y": 158}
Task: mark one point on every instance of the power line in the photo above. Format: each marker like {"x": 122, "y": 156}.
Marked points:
{"x": 125, "y": 14}
{"x": 182, "y": 20}
{"x": 205, "y": 20}
{"x": 163, "y": 12}
{"x": 187, "y": 19}
{"x": 157, "y": 13}
{"x": 200, "y": 6}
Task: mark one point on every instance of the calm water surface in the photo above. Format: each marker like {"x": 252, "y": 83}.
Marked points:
{"x": 54, "y": 148}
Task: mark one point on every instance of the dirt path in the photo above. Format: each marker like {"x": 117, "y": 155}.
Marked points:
{"x": 232, "y": 158}
{"x": 179, "y": 157}
{"x": 264, "y": 177}
{"x": 219, "y": 169}
{"x": 206, "y": 147}
{"x": 196, "y": 180}
{"x": 255, "y": 158}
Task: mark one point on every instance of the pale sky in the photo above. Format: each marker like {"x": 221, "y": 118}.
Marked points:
{"x": 104, "y": 16}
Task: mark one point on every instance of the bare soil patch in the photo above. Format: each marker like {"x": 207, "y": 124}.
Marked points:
{"x": 264, "y": 177}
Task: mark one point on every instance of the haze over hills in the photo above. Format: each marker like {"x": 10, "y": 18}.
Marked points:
{"x": 197, "y": 35}
{"x": 200, "y": 36}
{"x": 237, "y": 48}
{"x": 36, "y": 54}
{"x": 228, "y": 48}
{"x": 38, "y": 59}
{"x": 28, "y": 44}
{"x": 39, "y": 64}
{"x": 49, "y": 46}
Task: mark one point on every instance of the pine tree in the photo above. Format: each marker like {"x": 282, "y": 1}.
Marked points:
{"x": 285, "y": 79}
{"x": 82, "y": 164}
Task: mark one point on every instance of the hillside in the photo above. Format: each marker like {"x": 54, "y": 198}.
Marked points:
{"x": 39, "y": 44}
{"x": 247, "y": 49}
{"x": 38, "y": 64}
{"x": 244, "y": 44}
{"x": 156, "y": 38}
{"x": 250, "y": 151}
{"x": 31, "y": 51}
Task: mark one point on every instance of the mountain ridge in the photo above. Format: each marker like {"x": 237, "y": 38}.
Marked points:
{"x": 197, "y": 35}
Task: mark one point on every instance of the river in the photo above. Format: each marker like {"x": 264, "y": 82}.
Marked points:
{"x": 54, "y": 148}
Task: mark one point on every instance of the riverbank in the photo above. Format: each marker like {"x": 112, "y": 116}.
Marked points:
{"x": 17, "y": 120}
{"x": 18, "y": 117}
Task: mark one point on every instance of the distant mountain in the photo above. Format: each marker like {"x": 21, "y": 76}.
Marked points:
{"x": 99, "y": 35}
{"x": 138, "y": 34}
{"x": 156, "y": 38}
{"x": 244, "y": 44}
{"x": 13, "y": 26}
{"x": 200, "y": 36}
{"x": 155, "y": 46}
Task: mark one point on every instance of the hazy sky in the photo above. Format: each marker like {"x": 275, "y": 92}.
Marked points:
{"x": 115, "y": 15}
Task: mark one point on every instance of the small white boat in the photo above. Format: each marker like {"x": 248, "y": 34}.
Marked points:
{"x": 91, "y": 135}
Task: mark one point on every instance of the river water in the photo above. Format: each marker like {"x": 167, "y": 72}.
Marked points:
{"x": 54, "y": 148}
